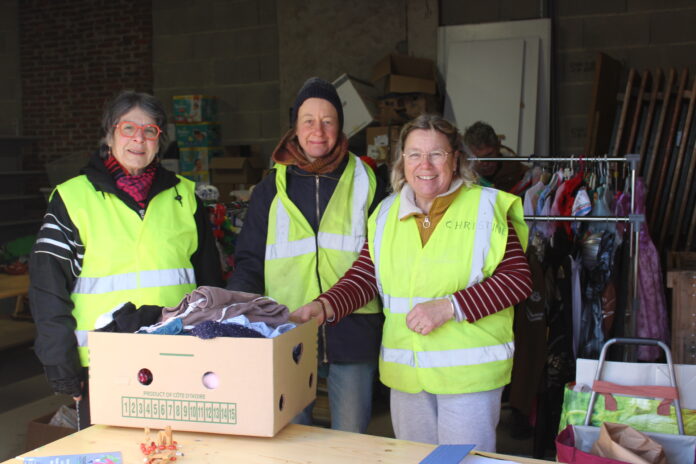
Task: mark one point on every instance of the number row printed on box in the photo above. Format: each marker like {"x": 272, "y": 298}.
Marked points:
{"x": 193, "y": 411}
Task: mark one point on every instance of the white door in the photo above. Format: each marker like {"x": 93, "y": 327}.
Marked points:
{"x": 484, "y": 83}
{"x": 499, "y": 73}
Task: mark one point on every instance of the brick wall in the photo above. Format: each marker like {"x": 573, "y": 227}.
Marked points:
{"x": 10, "y": 88}
{"x": 228, "y": 49}
{"x": 75, "y": 56}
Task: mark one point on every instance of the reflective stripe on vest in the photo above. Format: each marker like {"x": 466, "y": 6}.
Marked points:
{"x": 129, "y": 281}
{"x": 449, "y": 358}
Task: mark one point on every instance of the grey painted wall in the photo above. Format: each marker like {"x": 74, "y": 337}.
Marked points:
{"x": 327, "y": 38}
{"x": 228, "y": 49}
{"x": 10, "y": 85}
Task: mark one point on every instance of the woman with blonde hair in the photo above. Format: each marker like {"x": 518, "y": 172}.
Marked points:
{"x": 446, "y": 257}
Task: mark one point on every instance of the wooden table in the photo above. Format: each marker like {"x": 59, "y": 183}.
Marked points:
{"x": 15, "y": 333}
{"x": 14, "y": 286}
{"x": 297, "y": 444}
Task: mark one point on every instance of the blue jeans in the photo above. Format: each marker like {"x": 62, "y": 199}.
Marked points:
{"x": 350, "y": 397}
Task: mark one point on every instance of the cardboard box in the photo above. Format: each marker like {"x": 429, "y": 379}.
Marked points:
{"x": 405, "y": 74}
{"x": 359, "y": 103}
{"x": 401, "y": 109}
{"x": 203, "y": 134}
{"x": 194, "y": 108}
{"x": 263, "y": 382}
{"x": 197, "y": 159}
{"x": 235, "y": 170}
{"x": 40, "y": 432}
{"x": 382, "y": 142}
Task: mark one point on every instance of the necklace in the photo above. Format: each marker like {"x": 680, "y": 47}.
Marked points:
{"x": 426, "y": 222}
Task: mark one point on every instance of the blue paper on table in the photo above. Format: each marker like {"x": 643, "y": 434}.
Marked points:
{"x": 87, "y": 458}
{"x": 448, "y": 454}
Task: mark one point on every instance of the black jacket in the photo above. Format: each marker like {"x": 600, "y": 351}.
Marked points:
{"x": 56, "y": 261}
{"x": 357, "y": 338}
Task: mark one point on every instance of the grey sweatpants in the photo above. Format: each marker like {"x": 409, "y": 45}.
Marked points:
{"x": 467, "y": 418}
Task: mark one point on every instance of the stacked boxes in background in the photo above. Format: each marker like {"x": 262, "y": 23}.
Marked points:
{"x": 409, "y": 88}
{"x": 197, "y": 134}
{"x": 237, "y": 169}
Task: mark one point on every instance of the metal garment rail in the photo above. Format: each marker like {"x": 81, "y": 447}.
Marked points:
{"x": 634, "y": 221}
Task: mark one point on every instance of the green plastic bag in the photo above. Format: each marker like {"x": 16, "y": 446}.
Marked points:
{"x": 639, "y": 413}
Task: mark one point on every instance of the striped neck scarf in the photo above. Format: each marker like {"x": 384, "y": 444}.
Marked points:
{"x": 136, "y": 186}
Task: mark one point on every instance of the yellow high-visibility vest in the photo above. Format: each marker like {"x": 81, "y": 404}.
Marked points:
{"x": 466, "y": 247}
{"x": 295, "y": 254}
{"x": 145, "y": 261}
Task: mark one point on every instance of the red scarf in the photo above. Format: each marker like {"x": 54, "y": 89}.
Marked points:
{"x": 136, "y": 186}
{"x": 289, "y": 152}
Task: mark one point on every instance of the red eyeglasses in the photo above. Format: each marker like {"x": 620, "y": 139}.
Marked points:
{"x": 130, "y": 129}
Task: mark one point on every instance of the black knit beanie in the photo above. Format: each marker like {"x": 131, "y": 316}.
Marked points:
{"x": 315, "y": 87}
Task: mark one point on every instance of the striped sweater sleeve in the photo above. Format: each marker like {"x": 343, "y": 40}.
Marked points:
{"x": 509, "y": 285}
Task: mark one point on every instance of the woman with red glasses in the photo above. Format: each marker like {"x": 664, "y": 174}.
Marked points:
{"x": 124, "y": 230}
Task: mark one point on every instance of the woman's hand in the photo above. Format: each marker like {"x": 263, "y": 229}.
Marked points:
{"x": 426, "y": 317}
{"x": 312, "y": 310}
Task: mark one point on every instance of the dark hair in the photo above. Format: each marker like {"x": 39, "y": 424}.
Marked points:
{"x": 437, "y": 123}
{"x": 480, "y": 134}
{"x": 122, "y": 104}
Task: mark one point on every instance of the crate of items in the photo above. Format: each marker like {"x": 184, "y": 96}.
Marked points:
{"x": 194, "y": 108}
{"x": 382, "y": 142}
{"x": 235, "y": 386}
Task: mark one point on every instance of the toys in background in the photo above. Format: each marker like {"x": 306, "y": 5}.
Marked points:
{"x": 226, "y": 219}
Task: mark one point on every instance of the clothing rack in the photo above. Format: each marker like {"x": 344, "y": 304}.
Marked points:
{"x": 634, "y": 221}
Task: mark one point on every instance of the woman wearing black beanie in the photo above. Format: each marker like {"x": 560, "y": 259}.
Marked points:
{"x": 305, "y": 226}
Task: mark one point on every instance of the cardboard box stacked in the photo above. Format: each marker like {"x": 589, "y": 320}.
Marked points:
{"x": 237, "y": 169}
{"x": 197, "y": 134}
{"x": 409, "y": 88}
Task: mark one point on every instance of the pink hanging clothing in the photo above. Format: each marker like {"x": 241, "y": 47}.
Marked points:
{"x": 651, "y": 318}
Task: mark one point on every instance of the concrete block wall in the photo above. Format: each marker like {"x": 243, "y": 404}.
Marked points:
{"x": 228, "y": 49}
{"x": 10, "y": 83}
{"x": 641, "y": 34}
{"x": 327, "y": 38}
{"x": 74, "y": 57}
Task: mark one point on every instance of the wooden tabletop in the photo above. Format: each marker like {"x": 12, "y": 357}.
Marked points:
{"x": 297, "y": 444}
{"x": 13, "y": 285}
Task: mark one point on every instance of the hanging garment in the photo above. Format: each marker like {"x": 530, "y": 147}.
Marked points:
{"x": 598, "y": 265}
{"x": 651, "y": 317}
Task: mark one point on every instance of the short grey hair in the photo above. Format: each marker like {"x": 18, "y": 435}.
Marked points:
{"x": 437, "y": 123}
{"x": 122, "y": 104}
